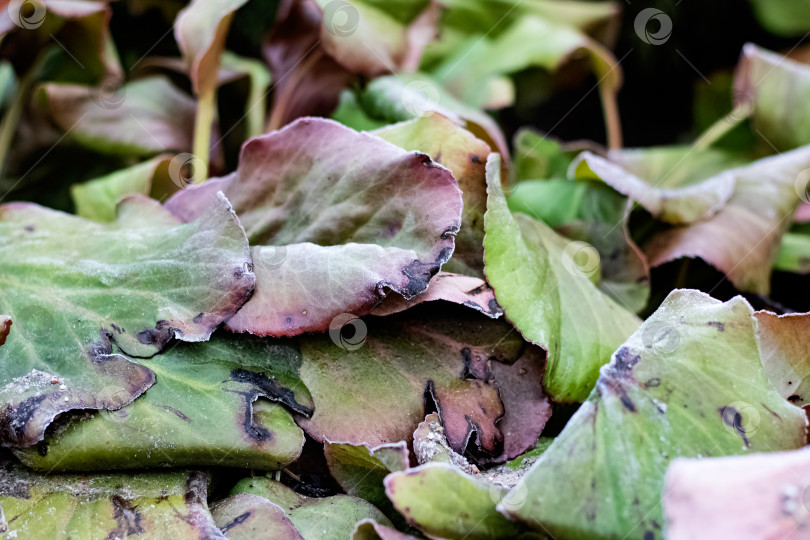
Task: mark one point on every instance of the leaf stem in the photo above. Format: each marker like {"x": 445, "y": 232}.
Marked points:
{"x": 206, "y": 103}
{"x": 8, "y": 126}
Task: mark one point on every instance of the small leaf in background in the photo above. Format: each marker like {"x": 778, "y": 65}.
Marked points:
{"x": 223, "y": 403}
{"x": 372, "y": 391}
{"x": 142, "y": 118}
{"x": 348, "y": 218}
{"x": 778, "y": 88}
{"x": 329, "y": 518}
{"x": 246, "y": 517}
{"x": 742, "y": 497}
{"x": 97, "y": 199}
{"x": 669, "y": 182}
{"x": 742, "y": 239}
{"x": 785, "y": 356}
{"x": 689, "y": 382}
{"x": 140, "y": 281}
{"x": 457, "y": 149}
{"x": 147, "y": 504}
{"x": 577, "y": 324}
{"x": 5, "y": 328}
{"x": 360, "y": 471}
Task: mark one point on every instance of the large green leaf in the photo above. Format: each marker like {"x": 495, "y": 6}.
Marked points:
{"x": 208, "y": 408}
{"x": 340, "y": 218}
{"x": 144, "y": 117}
{"x": 742, "y": 239}
{"x": 458, "y": 150}
{"x": 143, "y": 505}
{"x": 327, "y": 518}
{"x": 688, "y": 383}
{"x": 71, "y": 286}
{"x": 778, "y": 88}
{"x": 547, "y": 294}
{"x": 370, "y": 388}
{"x": 444, "y": 502}
{"x": 744, "y": 497}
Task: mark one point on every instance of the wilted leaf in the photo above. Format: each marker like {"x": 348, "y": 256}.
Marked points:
{"x": 369, "y": 388}
{"x": 743, "y": 497}
{"x": 785, "y": 356}
{"x": 209, "y": 407}
{"x": 5, "y": 328}
{"x": 675, "y": 184}
{"x": 98, "y": 198}
{"x": 247, "y": 517}
{"x": 200, "y": 30}
{"x": 360, "y": 470}
{"x": 465, "y": 290}
{"x": 665, "y": 394}
{"x": 327, "y": 518}
{"x": 778, "y": 89}
{"x": 742, "y": 239}
{"x": 145, "y": 505}
{"x": 342, "y": 217}
{"x": 458, "y": 150}
{"x": 546, "y": 292}
{"x": 72, "y": 285}
{"x": 144, "y": 117}
{"x": 444, "y": 502}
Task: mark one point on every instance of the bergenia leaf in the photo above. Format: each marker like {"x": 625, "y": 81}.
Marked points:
{"x": 675, "y": 184}
{"x": 468, "y": 364}
{"x": 664, "y": 395}
{"x": 777, "y": 88}
{"x": 146, "y": 504}
{"x": 742, "y": 239}
{"x": 785, "y": 356}
{"x": 588, "y": 212}
{"x": 360, "y": 470}
{"x": 465, "y": 290}
{"x": 211, "y": 405}
{"x": 402, "y": 97}
{"x": 546, "y": 292}
{"x": 458, "y": 150}
{"x": 368, "y": 529}
{"x": 337, "y": 515}
{"x": 140, "y": 281}
{"x": 246, "y": 517}
{"x": 144, "y": 117}
{"x": 444, "y": 502}
{"x": 97, "y": 199}
{"x": 769, "y": 491}
{"x": 200, "y": 31}
{"x": 338, "y": 217}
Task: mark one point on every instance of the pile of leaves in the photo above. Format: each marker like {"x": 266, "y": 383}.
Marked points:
{"x": 276, "y": 270}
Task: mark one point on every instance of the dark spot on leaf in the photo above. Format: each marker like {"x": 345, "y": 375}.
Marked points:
{"x": 127, "y": 519}
{"x": 720, "y": 326}
{"x": 775, "y": 415}
{"x": 475, "y": 158}
{"x": 649, "y": 535}
{"x": 655, "y": 382}
{"x": 198, "y": 319}
{"x": 625, "y": 361}
{"x": 238, "y": 520}
{"x": 477, "y": 290}
{"x": 419, "y": 273}
{"x": 733, "y": 419}
{"x": 158, "y": 336}
{"x": 29, "y": 228}
{"x": 794, "y": 398}
{"x": 117, "y": 328}
{"x": 177, "y": 413}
